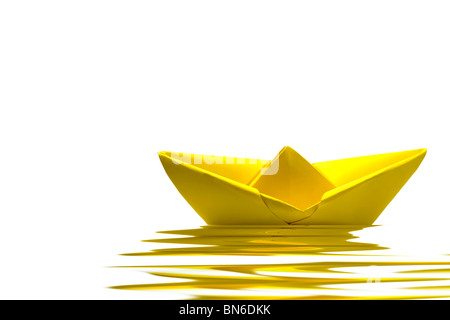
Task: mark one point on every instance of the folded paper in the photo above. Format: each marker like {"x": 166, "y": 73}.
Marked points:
{"x": 289, "y": 189}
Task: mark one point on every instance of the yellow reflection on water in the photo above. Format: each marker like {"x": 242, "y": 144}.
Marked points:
{"x": 327, "y": 262}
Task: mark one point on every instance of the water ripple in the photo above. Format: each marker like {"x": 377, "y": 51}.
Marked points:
{"x": 327, "y": 263}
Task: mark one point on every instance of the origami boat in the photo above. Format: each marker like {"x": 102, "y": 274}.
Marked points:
{"x": 289, "y": 189}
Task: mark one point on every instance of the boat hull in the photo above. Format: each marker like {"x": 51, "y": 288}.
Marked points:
{"x": 222, "y": 201}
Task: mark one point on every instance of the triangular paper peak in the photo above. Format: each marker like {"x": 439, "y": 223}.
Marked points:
{"x": 292, "y": 179}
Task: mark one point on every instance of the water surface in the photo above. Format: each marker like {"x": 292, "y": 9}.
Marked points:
{"x": 288, "y": 262}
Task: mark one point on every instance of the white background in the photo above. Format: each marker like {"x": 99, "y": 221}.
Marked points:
{"x": 90, "y": 91}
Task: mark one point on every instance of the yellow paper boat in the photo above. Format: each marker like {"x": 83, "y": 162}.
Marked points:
{"x": 288, "y": 189}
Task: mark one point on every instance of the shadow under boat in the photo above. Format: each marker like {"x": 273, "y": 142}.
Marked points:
{"x": 261, "y": 240}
